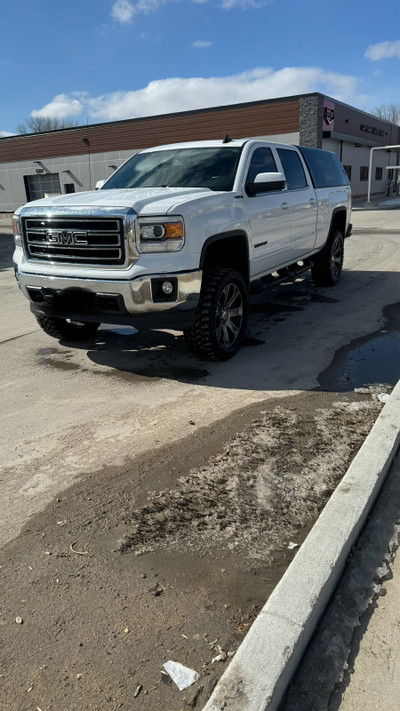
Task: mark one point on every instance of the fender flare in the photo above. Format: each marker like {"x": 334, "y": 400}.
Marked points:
{"x": 220, "y": 236}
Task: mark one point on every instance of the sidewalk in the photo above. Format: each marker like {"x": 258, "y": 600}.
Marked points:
{"x": 377, "y": 203}
{"x": 353, "y": 660}
{"x": 373, "y": 683}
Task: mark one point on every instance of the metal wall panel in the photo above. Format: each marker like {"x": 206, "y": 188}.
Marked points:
{"x": 254, "y": 119}
{"x": 350, "y": 121}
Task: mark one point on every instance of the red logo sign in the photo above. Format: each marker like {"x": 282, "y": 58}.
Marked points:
{"x": 329, "y": 115}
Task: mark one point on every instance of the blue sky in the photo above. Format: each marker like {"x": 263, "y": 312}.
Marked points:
{"x": 115, "y": 59}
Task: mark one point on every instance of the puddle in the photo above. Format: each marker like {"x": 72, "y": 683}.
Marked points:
{"x": 58, "y": 364}
{"x": 372, "y": 360}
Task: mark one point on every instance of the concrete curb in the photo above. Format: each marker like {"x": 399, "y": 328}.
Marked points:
{"x": 265, "y": 662}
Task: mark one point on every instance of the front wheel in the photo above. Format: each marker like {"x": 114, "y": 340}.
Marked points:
{"x": 221, "y": 315}
{"x": 328, "y": 263}
{"x": 64, "y": 328}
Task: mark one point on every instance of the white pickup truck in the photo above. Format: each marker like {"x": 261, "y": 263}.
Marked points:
{"x": 176, "y": 235}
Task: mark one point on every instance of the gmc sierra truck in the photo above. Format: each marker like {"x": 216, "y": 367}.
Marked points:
{"x": 174, "y": 238}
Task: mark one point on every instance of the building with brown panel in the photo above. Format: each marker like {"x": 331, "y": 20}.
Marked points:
{"x": 74, "y": 159}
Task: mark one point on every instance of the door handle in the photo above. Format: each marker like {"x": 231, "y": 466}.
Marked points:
{"x": 312, "y": 201}
{"x": 285, "y": 205}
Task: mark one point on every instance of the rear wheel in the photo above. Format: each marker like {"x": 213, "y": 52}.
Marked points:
{"x": 328, "y": 263}
{"x": 64, "y": 328}
{"x": 221, "y": 315}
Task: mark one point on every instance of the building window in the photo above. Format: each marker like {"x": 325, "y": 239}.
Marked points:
{"x": 348, "y": 171}
{"x": 378, "y": 173}
{"x": 363, "y": 172}
{"x": 69, "y": 188}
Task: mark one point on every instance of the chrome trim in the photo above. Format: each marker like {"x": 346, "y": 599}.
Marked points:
{"x": 136, "y": 294}
{"x": 79, "y": 212}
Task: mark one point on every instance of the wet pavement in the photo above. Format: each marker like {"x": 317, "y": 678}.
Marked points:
{"x": 371, "y": 360}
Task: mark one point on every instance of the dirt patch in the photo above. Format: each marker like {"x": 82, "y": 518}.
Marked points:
{"x": 204, "y": 525}
{"x": 260, "y": 491}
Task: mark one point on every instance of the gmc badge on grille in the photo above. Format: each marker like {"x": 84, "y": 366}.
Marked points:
{"x": 67, "y": 237}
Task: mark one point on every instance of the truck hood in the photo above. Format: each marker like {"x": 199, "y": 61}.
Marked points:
{"x": 144, "y": 201}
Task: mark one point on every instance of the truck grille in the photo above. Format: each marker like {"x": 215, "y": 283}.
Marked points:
{"x": 75, "y": 240}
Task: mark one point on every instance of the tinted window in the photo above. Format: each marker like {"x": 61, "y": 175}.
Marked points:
{"x": 213, "y": 168}
{"x": 262, "y": 161}
{"x": 293, "y": 169}
{"x": 325, "y": 168}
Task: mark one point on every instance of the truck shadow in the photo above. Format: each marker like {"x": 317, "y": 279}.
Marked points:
{"x": 293, "y": 332}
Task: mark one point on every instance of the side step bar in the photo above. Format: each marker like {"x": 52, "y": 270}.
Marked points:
{"x": 287, "y": 273}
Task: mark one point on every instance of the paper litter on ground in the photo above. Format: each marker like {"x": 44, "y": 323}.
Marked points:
{"x": 182, "y": 676}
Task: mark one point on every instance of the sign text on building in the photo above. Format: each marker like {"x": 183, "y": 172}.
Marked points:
{"x": 372, "y": 129}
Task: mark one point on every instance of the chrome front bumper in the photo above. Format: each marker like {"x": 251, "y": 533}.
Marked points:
{"x": 132, "y": 301}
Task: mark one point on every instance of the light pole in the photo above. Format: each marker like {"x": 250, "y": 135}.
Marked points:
{"x": 87, "y": 143}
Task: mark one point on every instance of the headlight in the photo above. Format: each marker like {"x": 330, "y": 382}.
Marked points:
{"x": 17, "y": 230}
{"x": 161, "y": 236}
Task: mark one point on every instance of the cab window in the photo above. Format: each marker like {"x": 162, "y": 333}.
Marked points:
{"x": 293, "y": 169}
{"x": 262, "y": 161}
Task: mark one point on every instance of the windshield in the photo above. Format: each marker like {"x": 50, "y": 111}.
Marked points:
{"x": 212, "y": 168}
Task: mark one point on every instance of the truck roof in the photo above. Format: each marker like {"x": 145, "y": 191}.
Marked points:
{"x": 237, "y": 142}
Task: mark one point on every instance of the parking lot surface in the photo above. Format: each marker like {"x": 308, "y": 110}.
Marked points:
{"x": 151, "y": 499}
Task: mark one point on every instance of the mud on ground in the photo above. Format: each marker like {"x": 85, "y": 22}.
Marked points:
{"x": 169, "y": 557}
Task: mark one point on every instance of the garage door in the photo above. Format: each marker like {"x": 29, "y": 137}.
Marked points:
{"x": 39, "y": 186}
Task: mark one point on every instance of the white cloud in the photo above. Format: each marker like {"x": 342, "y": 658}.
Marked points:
{"x": 62, "y": 106}
{"x": 244, "y": 4}
{"x": 180, "y": 94}
{"x": 124, "y": 11}
{"x": 201, "y": 44}
{"x": 5, "y": 134}
{"x": 383, "y": 50}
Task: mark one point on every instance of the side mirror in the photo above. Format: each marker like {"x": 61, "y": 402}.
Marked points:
{"x": 99, "y": 184}
{"x": 266, "y": 182}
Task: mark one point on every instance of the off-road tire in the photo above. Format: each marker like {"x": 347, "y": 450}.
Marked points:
{"x": 328, "y": 263}
{"x": 221, "y": 315}
{"x": 61, "y": 328}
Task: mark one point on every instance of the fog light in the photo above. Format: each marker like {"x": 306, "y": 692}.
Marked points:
{"x": 167, "y": 288}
